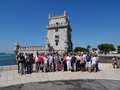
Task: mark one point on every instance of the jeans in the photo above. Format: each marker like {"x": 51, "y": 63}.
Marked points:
{"x": 29, "y": 68}
{"x": 74, "y": 67}
{"x": 21, "y": 68}
{"x": 97, "y": 68}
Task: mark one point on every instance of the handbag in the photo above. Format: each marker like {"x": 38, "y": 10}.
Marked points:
{"x": 82, "y": 62}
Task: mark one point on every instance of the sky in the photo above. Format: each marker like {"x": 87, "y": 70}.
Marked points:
{"x": 92, "y": 21}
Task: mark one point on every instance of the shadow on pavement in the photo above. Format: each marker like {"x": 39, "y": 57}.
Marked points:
{"x": 68, "y": 85}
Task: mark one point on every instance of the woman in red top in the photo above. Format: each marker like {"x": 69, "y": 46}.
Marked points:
{"x": 41, "y": 61}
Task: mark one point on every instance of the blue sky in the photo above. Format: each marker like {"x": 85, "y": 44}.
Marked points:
{"x": 93, "y": 21}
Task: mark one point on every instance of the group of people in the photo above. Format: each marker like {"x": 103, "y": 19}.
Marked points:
{"x": 56, "y": 62}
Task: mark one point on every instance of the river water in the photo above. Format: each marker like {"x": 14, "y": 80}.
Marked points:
{"x": 8, "y": 59}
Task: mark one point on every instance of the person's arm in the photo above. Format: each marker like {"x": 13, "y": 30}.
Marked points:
{"x": 16, "y": 59}
{"x": 91, "y": 59}
{"x": 75, "y": 60}
{"x": 97, "y": 59}
{"x": 118, "y": 60}
{"x": 113, "y": 60}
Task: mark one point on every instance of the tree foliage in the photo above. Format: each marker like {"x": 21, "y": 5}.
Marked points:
{"x": 81, "y": 49}
{"x": 94, "y": 49}
{"x": 106, "y": 48}
{"x": 118, "y": 48}
{"x": 88, "y": 47}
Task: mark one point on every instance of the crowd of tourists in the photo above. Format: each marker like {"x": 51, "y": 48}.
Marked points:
{"x": 56, "y": 62}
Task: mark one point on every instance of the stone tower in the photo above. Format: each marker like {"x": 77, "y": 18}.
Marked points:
{"x": 59, "y": 33}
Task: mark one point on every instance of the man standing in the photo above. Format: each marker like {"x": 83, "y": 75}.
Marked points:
{"x": 29, "y": 63}
{"x": 73, "y": 62}
{"x": 88, "y": 62}
{"x": 21, "y": 61}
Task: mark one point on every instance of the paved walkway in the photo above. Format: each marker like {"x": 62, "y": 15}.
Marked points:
{"x": 68, "y": 85}
{"x": 9, "y": 78}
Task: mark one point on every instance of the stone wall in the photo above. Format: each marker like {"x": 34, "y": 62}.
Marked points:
{"x": 8, "y": 68}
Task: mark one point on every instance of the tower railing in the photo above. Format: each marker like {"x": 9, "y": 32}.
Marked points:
{"x": 57, "y": 25}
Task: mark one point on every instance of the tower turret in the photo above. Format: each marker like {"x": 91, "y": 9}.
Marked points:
{"x": 16, "y": 47}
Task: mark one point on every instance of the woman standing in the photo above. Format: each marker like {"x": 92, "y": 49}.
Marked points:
{"x": 82, "y": 63}
{"x": 36, "y": 61}
{"x": 78, "y": 62}
{"x": 62, "y": 62}
{"x": 41, "y": 62}
{"x": 94, "y": 61}
{"x": 57, "y": 62}
{"x": 68, "y": 58}
{"x": 45, "y": 58}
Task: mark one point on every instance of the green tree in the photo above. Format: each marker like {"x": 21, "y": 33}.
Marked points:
{"x": 118, "y": 48}
{"x": 80, "y": 49}
{"x": 106, "y": 48}
{"x": 94, "y": 49}
{"x": 88, "y": 47}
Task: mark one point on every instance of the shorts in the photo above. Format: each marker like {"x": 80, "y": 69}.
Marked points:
{"x": 88, "y": 64}
{"x": 116, "y": 63}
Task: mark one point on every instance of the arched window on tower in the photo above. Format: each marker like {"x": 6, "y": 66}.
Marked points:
{"x": 56, "y": 30}
{"x": 56, "y": 40}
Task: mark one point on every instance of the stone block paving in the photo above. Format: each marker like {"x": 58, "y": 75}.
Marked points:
{"x": 8, "y": 78}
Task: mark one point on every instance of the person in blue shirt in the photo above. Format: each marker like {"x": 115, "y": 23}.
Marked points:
{"x": 21, "y": 62}
{"x": 73, "y": 62}
{"x": 88, "y": 62}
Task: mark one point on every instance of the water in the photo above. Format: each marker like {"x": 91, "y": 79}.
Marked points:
{"x": 10, "y": 60}
{"x": 7, "y": 60}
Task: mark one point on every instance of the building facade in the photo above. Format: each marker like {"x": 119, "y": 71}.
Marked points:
{"x": 58, "y": 38}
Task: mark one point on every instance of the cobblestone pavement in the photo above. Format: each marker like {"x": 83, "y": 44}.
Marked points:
{"x": 9, "y": 78}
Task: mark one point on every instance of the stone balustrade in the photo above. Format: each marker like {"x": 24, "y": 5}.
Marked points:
{"x": 8, "y": 68}
{"x": 57, "y": 25}
{"x": 32, "y": 48}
